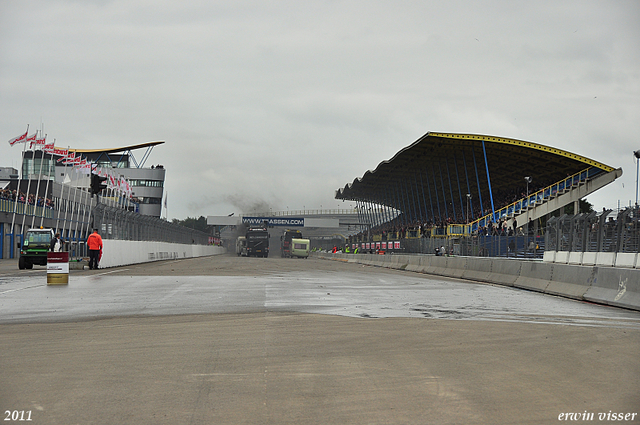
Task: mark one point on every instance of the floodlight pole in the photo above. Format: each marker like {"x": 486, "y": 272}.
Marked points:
{"x": 637, "y": 155}
{"x": 528, "y": 180}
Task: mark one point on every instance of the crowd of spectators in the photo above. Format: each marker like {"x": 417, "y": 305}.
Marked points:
{"x": 23, "y": 198}
{"x": 400, "y": 227}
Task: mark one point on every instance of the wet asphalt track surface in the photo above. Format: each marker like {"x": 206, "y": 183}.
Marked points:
{"x": 228, "y": 284}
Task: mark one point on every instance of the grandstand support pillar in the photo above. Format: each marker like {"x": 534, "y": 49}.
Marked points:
{"x": 409, "y": 206}
{"x": 493, "y": 209}
{"x": 455, "y": 163}
{"x": 453, "y": 205}
{"x": 576, "y": 207}
{"x": 391, "y": 206}
{"x": 374, "y": 215}
{"x": 405, "y": 204}
{"x": 417, "y": 200}
{"x": 444, "y": 194}
{"x": 466, "y": 174}
{"x": 435, "y": 190}
{"x": 387, "y": 216}
{"x": 367, "y": 211}
{"x": 424, "y": 200}
{"x": 394, "y": 197}
{"x": 475, "y": 165}
{"x": 404, "y": 207}
{"x": 433, "y": 215}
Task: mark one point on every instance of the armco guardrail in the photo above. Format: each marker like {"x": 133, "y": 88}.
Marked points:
{"x": 613, "y": 286}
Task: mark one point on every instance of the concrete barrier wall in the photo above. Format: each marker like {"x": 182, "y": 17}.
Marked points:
{"x": 534, "y": 276}
{"x": 571, "y": 281}
{"x": 617, "y": 287}
{"x": 504, "y": 272}
{"x": 121, "y": 253}
{"x": 626, "y": 260}
{"x": 478, "y": 268}
{"x": 605, "y": 259}
{"x": 456, "y": 266}
{"x": 609, "y": 285}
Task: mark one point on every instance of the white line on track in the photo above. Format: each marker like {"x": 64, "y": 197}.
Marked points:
{"x": 20, "y": 289}
{"x": 112, "y": 271}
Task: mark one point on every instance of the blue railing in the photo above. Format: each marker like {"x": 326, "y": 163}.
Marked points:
{"x": 538, "y": 197}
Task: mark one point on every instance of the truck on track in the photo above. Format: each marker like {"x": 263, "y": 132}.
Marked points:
{"x": 300, "y": 248}
{"x": 34, "y": 248}
{"x": 257, "y": 239}
{"x": 285, "y": 241}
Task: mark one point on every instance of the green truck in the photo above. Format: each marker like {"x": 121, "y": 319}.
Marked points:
{"x": 34, "y": 248}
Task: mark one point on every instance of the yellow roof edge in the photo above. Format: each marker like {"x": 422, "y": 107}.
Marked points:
{"x": 531, "y": 145}
{"x": 125, "y": 148}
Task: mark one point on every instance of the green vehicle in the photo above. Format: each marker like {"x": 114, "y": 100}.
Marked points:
{"x": 300, "y": 248}
{"x": 34, "y": 248}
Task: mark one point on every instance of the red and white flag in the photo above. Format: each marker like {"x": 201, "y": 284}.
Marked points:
{"x": 19, "y": 139}
{"x": 32, "y": 139}
{"x": 69, "y": 158}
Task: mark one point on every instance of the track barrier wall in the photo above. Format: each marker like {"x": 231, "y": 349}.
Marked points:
{"x": 121, "y": 253}
{"x": 615, "y": 286}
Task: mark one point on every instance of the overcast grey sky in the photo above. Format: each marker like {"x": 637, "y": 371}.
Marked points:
{"x": 282, "y": 103}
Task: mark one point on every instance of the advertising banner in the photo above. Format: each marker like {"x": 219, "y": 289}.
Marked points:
{"x": 275, "y": 221}
{"x": 57, "y": 268}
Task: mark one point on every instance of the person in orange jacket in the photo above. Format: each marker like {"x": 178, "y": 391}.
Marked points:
{"x": 94, "y": 242}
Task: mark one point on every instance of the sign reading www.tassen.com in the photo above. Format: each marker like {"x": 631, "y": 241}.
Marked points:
{"x": 275, "y": 221}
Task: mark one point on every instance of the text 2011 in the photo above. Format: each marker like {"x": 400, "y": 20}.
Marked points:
{"x": 17, "y": 415}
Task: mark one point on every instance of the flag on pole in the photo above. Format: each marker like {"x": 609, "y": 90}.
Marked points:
{"x": 69, "y": 158}
{"x": 32, "y": 139}
{"x": 19, "y": 139}
{"x": 59, "y": 152}
{"x": 41, "y": 142}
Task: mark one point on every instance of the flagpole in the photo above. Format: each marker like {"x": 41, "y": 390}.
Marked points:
{"x": 87, "y": 212}
{"x": 61, "y": 190}
{"x": 78, "y": 215}
{"x": 15, "y": 205}
{"x": 46, "y": 190}
{"x": 75, "y": 208}
{"x": 33, "y": 219}
{"x": 114, "y": 187}
{"x": 26, "y": 199}
{"x": 69, "y": 204}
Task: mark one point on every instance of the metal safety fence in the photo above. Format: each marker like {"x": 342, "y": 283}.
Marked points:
{"x": 516, "y": 246}
{"x": 606, "y": 231}
{"x": 117, "y": 223}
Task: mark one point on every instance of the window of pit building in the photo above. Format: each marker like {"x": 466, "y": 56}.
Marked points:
{"x": 148, "y": 200}
{"x": 146, "y": 183}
